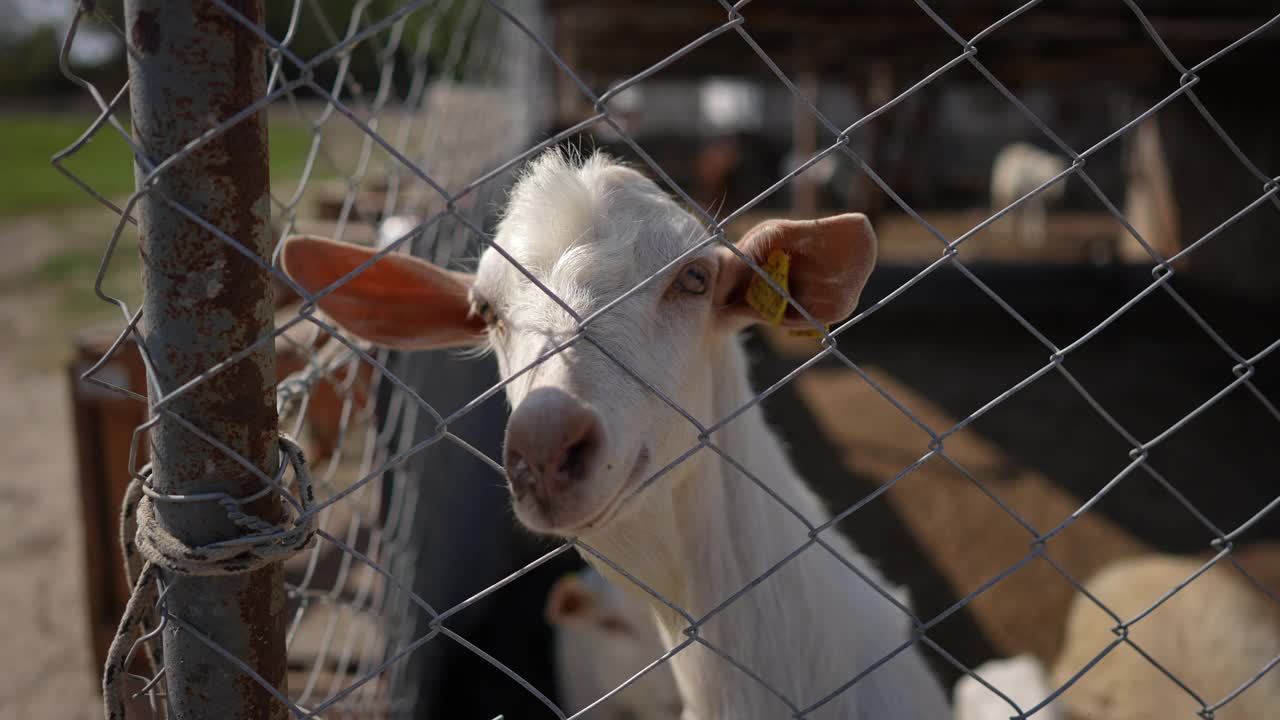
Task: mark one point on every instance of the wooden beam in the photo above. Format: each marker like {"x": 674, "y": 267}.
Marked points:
{"x": 621, "y": 40}
{"x": 804, "y": 141}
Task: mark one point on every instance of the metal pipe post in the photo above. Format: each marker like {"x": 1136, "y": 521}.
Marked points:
{"x": 192, "y": 67}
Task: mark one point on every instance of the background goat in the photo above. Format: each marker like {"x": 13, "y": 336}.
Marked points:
{"x": 1018, "y": 169}
{"x": 1023, "y": 679}
{"x": 603, "y": 637}
{"x": 1214, "y": 635}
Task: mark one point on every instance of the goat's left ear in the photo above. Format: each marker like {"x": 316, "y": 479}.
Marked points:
{"x": 829, "y": 263}
{"x": 398, "y": 301}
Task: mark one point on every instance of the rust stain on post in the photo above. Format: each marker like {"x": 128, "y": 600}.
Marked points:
{"x": 146, "y": 32}
{"x": 192, "y": 67}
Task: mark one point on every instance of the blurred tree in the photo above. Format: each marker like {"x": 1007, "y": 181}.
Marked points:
{"x": 31, "y": 62}
{"x": 441, "y": 31}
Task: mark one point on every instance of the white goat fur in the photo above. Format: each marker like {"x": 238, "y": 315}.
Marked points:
{"x": 1022, "y": 679}
{"x": 703, "y": 531}
{"x": 1018, "y": 169}
{"x": 1213, "y": 635}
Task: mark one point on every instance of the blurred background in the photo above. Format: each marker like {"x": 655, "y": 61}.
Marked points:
{"x": 459, "y": 89}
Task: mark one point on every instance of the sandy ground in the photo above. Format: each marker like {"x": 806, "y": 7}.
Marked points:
{"x": 46, "y": 671}
{"x": 45, "y": 666}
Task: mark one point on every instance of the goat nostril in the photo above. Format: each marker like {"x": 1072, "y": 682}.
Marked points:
{"x": 575, "y": 463}
{"x": 575, "y": 459}
{"x": 519, "y": 474}
{"x": 553, "y": 442}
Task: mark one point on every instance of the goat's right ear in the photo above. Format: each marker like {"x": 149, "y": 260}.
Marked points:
{"x": 398, "y": 302}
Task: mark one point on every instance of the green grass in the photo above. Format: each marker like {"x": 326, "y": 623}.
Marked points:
{"x": 63, "y": 277}
{"x": 73, "y": 270}
{"x": 30, "y": 184}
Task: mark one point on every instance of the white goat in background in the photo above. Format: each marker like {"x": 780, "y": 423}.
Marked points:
{"x": 585, "y": 436}
{"x": 1023, "y": 679}
{"x": 1018, "y": 169}
{"x": 604, "y": 636}
{"x": 1213, "y": 635}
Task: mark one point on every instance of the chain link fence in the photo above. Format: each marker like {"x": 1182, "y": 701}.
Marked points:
{"x": 340, "y": 575}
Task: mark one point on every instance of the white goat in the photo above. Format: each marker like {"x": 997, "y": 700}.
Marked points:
{"x": 1018, "y": 169}
{"x": 604, "y": 636}
{"x": 585, "y": 436}
{"x": 1023, "y": 679}
{"x": 1213, "y": 635}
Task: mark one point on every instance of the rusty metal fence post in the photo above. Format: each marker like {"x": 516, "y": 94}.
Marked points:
{"x": 193, "y": 69}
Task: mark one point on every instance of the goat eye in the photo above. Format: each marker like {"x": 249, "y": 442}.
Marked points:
{"x": 485, "y": 312}
{"x": 692, "y": 279}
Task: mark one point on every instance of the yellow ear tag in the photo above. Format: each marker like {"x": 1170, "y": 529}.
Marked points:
{"x": 762, "y": 297}
{"x": 810, "y": 332}
{"x": 765, "y": 300}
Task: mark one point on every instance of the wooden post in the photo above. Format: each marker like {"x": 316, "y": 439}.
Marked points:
{"x": 804, "y": 141}
{"x": 104, "y": 423}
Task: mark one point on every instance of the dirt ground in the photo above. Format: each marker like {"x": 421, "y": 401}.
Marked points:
{"x": 45, "y": 665}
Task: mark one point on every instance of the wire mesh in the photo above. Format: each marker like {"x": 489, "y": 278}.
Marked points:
{"x": 414, "y": 155}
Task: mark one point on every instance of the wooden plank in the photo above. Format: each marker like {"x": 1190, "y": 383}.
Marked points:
{"x": 804, "y": 140}
{"x": 104, "y": 422}
{"x": 620, "y": 40}
{"x": 96, "y": 531}
{"x": 1210, "y": 185}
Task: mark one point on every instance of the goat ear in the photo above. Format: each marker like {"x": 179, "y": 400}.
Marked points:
{"x": 829, "y": 263}
{"x": 570, "y": 600}
{"x": 398, "y": 302}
